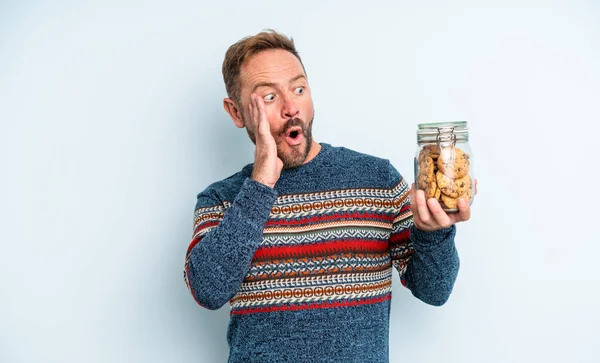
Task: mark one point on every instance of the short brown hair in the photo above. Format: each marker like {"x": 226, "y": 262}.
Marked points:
{"x": 239, "y": 52}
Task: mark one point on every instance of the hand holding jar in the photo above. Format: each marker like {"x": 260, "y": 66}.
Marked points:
{"x": 445, "y": 186}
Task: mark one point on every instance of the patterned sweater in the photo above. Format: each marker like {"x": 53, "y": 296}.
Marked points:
{"x": 307, "y": 266}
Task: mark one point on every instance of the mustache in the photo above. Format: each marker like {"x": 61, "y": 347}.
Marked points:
{"x": 293, "y": 122}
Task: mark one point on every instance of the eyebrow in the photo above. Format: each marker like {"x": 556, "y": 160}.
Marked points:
{"x": 271, "y": 84}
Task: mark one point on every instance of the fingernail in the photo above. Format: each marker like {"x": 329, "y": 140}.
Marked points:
{"x": 462, "y": 202}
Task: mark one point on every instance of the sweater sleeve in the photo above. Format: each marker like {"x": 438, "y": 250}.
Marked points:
{"x": 224, "y": 242}
{"x": 426, "y": 261}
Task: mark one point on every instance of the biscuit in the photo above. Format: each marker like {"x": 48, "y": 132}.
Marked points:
{"x": 433, "y": 151}
{"x": 453, "y": 162}
{"x": 438, "y": 194}
{"x": 452, "y": 187}
{"x": 424, "y": 180}
{"x": 431, "y": 190}
{"x": 427, "y": 184}
{"x": 452, "y": 203}
{"x": 427, "y": 165}
{"x": 426, "y": 176}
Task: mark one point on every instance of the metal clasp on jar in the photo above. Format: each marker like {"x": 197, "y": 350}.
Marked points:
{"x": 446, "y": 139}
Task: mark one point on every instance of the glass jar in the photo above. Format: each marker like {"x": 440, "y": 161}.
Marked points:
{"x": 444, "y": 163}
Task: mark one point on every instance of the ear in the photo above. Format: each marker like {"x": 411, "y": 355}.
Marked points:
{"x": 234, "y": 112}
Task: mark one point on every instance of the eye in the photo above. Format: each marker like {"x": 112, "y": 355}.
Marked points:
{"x": 299, "y": 90}
{"x": 270, "y": 97}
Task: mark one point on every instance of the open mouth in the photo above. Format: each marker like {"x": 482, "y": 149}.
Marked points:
{"x": 294, "y": 132}
{"x": 294, "y": 136}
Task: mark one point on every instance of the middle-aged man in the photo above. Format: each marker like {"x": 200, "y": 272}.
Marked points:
{"x": 302, "y": 242}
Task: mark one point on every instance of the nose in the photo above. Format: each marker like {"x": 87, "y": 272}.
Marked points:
{"x": 289, "y": 108}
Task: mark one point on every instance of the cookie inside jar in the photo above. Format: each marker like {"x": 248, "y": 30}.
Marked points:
{"x": 443, "y": 164}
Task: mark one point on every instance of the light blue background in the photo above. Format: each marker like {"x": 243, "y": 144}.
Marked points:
{"x": 111, "y": 123}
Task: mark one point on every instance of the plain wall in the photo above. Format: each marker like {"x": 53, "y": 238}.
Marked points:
{"x": 112, "y": 121}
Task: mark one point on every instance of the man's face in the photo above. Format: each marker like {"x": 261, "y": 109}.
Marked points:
{"x": 278, "y": 77}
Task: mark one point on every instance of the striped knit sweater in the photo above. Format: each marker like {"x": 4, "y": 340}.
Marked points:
{"x": 307, "y": 266}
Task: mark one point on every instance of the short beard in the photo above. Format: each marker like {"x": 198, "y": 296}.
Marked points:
{"x": 298, "y": 154}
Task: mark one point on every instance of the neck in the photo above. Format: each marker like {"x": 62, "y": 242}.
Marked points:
{"x": 314, "y": 150}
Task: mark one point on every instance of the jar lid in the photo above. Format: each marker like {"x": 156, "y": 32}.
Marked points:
{"x": 437, "y": 125}
{"x": 431, "y": 132}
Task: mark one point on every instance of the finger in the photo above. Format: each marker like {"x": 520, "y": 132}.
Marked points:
{"x": 251, "y": 124}
{"x": 263, "y": 123}
{"x": 255, "y": 123}
{"x": 441, "y": 217}
{"x": 424, "y": 214}
{"x": 464, "y": 213}
{"x": 251, "y": 111}
{"x": 464, "y": 210}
